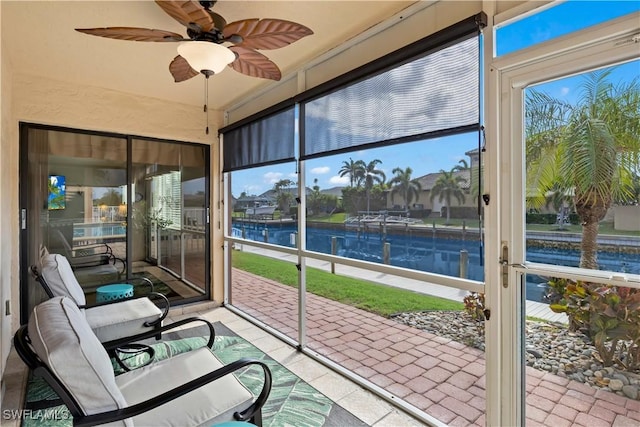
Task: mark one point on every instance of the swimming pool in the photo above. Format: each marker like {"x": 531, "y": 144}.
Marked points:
{"x": 99, "y": 230}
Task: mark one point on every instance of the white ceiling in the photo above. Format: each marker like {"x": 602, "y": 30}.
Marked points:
{"x": 39, "y": 39}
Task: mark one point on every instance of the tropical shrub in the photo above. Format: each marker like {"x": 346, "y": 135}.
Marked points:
{"x": 474, "y": 306}
{"x": 608, "y": 315}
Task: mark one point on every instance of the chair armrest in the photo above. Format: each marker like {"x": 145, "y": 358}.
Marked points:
{"x": 89, "y": 260}
{"x": 167, "y": 306}
{"x": 116, "y": 259}
{"x": 94, "y": 249}
{"x": 111, "y": 345}
{"x": 168, "y": 396}
{"x": 150, "y": 295}
{"x": 144, "y": 279}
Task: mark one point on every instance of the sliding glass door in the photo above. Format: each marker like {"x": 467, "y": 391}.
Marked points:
{"x": 118, "y": 208}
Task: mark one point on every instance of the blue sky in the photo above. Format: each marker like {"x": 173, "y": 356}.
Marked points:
{"x": 443, "y": 153}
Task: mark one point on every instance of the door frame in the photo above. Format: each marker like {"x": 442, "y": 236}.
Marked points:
{"x": 613, "y": 42}
{"x": 26, "y": 284}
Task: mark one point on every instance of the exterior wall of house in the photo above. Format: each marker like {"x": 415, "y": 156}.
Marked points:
{"x": 626, "y": 218}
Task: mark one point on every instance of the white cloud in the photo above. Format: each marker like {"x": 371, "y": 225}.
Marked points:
{"x": 564, "y": 91}
{"x": 320, "y": 170}
{"x": 272, "y": 177}
{"x": 252, "y": 189}
{"x": 339, "y": 180}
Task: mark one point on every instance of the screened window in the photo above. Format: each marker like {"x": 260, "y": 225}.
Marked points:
{"x": 429, "y": 96}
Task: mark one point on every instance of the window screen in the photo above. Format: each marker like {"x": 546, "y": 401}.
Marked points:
{"x": 435, "y": 94}
{"x": 260, "y": 142}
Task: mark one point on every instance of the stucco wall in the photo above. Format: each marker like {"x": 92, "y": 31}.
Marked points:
{"x": 626, "y": 218}
{"x": 67, "y": 104}
{"x": 5, "y": 188}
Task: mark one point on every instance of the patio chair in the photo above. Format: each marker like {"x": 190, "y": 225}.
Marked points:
{"x": 190, "y": 389}
{"x": 84, "y": 256}
{"x": 109, "y": 320}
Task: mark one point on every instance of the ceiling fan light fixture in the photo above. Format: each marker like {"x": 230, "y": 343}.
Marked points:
{"x": 206, "y": 57}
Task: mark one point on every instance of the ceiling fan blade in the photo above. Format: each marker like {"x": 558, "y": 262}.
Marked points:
{"x": 266, "y": 33}
{"x": 134, "y": 34}
{"x": 218, "y": 21}
{"x": 254, "y": 64}
{"x": 181, "y": 70}
{"x": 188, "y": 12}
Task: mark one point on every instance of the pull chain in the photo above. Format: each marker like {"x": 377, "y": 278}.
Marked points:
{"x": 206, "y": 101}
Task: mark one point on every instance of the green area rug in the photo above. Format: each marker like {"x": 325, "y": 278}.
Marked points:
{"x": 292, "y": 402}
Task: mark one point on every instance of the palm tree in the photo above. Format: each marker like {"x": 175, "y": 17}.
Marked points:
{"x": 351, "y": 169}
{"x": 461, "y": 166}
{"x": 446, "y": 188}
{"x": 403, "y": 184}
{"x": 315, "y": 198}
{"x": 590, "y": 149}
{"x": 283, "y": 195}
{"x": 370, "y": 175}
{"x": 474, "y": 178}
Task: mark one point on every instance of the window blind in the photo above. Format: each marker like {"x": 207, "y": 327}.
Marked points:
{"x": 260, "y": 142}
{"x": 432, "y": 94}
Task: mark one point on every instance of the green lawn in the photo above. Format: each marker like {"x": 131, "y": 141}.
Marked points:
{"x": 336, "y": 218}
{"x": 369, "y": 296}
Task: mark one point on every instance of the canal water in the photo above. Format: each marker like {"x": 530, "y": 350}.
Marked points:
{"x": 423, "y": 253}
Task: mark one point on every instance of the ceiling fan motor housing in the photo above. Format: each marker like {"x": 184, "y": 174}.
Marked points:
{"x": 214, "y": 35}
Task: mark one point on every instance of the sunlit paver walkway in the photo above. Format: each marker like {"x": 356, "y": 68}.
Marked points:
{"x": 443, "y": 378}
{"x": 533, "y": 308}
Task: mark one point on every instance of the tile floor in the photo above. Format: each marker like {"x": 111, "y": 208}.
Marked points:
{"x": 363, "y": 404}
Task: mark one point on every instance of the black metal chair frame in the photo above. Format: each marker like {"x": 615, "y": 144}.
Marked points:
{"x": 252, "y": 414}
{"x": 81, "y": 258}
{"x": 127, "y": 348}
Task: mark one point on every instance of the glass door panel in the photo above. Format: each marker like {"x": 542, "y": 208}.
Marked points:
{"x": 582, "y": 327}
{"x": 194, "y": 216}
{"x": 76, "y": 204}
{"x": 170, "y": 214}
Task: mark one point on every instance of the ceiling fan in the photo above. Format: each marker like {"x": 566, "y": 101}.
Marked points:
{"x": 207, "y": 27}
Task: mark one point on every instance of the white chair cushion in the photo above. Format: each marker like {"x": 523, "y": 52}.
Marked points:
{"x": 57, "y": 271}
{"x": 122, "y": 319}
{"x": 63, "y": 340}
{"x": 213, "y": 403}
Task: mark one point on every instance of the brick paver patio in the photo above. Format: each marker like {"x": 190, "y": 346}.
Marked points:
{"x": 444, "y": 378}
